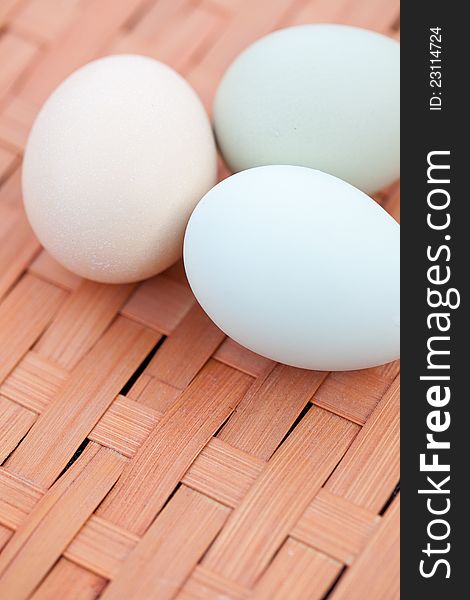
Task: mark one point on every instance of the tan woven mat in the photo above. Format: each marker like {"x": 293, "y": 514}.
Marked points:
{"x": 144, "y": 455}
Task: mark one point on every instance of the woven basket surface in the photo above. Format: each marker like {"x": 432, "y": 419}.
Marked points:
{"x": 144, "y": 454}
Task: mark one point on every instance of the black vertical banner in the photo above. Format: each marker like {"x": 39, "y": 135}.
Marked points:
{"x": 435, "y": 435}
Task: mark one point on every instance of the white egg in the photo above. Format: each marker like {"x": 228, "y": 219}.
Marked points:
{"x": 319, "y": 96}
{"x": 297, "y": 266}
{"x": 117, "y": 159}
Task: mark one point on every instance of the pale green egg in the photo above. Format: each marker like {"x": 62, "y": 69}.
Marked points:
{"x": 320, "y": 96}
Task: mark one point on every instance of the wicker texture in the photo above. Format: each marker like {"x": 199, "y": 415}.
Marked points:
{"x": 145, "y": 455}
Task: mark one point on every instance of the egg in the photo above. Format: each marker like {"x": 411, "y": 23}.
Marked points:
{"x": 117, "y": 159}
{"x": 319, "y": 96}
{"x": 298, "y": 266}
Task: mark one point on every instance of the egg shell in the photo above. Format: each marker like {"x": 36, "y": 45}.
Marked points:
{"x": 319, "y": 96}
{"x": 297, "y": 266}
{"x": 117, "y": 159}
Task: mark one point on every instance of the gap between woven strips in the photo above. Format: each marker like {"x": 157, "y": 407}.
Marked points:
{"x": 391, "y": 498}
{"x": 141, "y": 368}
{"x": 330, "y": 590}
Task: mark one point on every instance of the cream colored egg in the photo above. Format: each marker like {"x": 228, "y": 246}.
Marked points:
{"x": 117, "y": 159}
